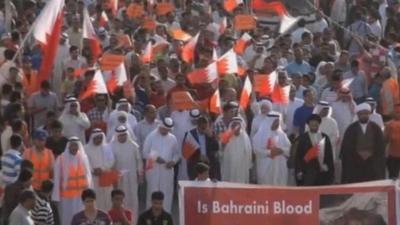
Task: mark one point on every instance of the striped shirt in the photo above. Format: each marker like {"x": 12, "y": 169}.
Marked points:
{"x": 42, "y": 212}
{"x": 10, "y": 166}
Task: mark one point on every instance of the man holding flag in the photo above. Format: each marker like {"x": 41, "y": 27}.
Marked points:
{"x": 314, "y": 157}
{"x": 200, "y": 145}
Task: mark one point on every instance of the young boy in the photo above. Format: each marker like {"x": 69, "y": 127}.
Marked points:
{"x": 202, "y": 172}
{"x": 119, "y": 215}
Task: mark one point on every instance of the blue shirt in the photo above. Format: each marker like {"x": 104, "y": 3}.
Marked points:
{"x": 301, "y": 116}
{"x": 294, "y": 67}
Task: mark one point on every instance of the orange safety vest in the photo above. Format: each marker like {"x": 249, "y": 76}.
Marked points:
{"x": 76, "y": 182}
{"x": 32, "y": 85}
{"x": 392, "y": 86}
{"x": 43, "y": 166}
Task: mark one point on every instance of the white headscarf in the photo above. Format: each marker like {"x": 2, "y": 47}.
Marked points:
{"x": 114, "y": 123}
{"x": 102, "y": 147}
{"x": 260, "y": 139}
{"x": 67, "y": 106}
{"x": 323, "y": 105}
{"x": 122, "y": 130}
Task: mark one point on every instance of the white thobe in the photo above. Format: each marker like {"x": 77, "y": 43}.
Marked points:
{"x": 142, "y": 129}
{"x": 68, "y": 207}
{"x": 182, "y": 124}
{"x": 75, "y": 125}
{"x": 160, "y": 178}
{"x": 272, "y": 171}
{"x": 103, "y": 158}
{"x": 343, "y": 115}
{"x": 129, "y": 162}
{"x": 236, "y": 159}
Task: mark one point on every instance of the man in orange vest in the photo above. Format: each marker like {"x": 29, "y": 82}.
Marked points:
{"x": 41, "y": 157}
{"x": 72, "y": 175}
{"x": 389, "y": 94}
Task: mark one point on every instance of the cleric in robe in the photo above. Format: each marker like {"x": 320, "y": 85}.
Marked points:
{"x": 314, "y": 156}
{"x": 363, "y": 149}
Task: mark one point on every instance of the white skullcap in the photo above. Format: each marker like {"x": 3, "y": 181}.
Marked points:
{"x": 363, "y": 107}
{"x": 194, "y": 113}
{"x": 167, "y": 123}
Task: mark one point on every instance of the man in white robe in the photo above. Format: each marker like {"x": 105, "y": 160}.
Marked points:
{"x": 374, "y": 116}
{"x": 343, "y": 110}
{"x": 265, "y": 107}
{"x": 147, "y": 125}
{"x": 184, "y": 121}
{"x": 101, "y": 160}
{"x": 272, "y": 148}
{"x": 73, "y": 159}
{"x": 62, "y": 53}
{"x": 74, "y": 121}
{"x": 128, "y": 162}
{"x": 119, "y": 118}
{"x": 161, "y": 152}
{"x": 125, "y": 106}
{"x": 237, "y": 154}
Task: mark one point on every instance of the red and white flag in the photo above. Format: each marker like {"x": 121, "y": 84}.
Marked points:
{"x": 246, "y": 92}
{"x": 223, "y": 25}
{"x": 47, "y": 31}
{"x": 230, "y": 5}
{"x": 190, "y": 146}
{"x": 103, "y": 20}
{"x": 215, "y": 103}
{"x": 242, "y": 43}
{"x": 277, "y": 7}
{"x": 227, "y": 64}
{"x": 151, "y": 161}
{"x": 316, "y": 152}
{"x": 95, "y": 86}
{"x": 264, "y": 84}
{"x": 117, "y": 79}
{"x": 204, "y": 75}
{"x": 147, "y": 55}
{"x": 189, "y": 49}
{"x": 89, "y": 33}
{"x": 280, "y": 94}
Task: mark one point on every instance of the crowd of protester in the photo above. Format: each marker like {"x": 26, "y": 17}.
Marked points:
{"x": 96, "y": 160}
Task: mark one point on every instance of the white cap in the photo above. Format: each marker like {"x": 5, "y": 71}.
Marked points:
{"x": 194, "y": 113}
{"x": 167, "y": 123}
{"x": 363, "y": 107}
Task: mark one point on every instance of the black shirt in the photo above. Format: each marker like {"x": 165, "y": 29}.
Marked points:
{"x": 147, "y": 218}
{"x": 56, "y": 146}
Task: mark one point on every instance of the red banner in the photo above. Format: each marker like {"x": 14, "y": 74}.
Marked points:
{"x": 208, "y": 203}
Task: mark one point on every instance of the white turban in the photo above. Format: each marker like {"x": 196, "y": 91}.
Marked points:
{"x": 363, "y": 107}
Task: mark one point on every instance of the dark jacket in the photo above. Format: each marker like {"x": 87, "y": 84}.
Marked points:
{"x": 212, "y": 147}
{"x": 313, "y": 175}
